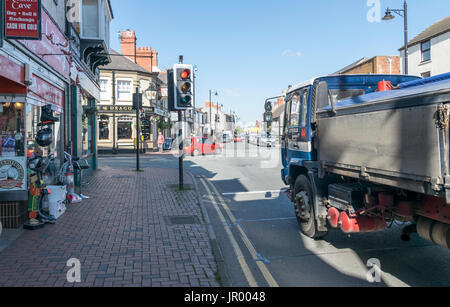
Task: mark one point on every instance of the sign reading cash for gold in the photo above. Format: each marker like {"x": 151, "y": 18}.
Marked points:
{"x": 12, "y": 174}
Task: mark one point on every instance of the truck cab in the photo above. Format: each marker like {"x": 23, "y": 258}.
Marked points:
{"x": 298, "y": 136}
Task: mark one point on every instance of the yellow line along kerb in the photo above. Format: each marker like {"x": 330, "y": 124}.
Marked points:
{"x": 262, "y": 267}
{"x": 240, "y": 257}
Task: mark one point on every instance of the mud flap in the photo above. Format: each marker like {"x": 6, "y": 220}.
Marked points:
{"x": 319, "y": 207}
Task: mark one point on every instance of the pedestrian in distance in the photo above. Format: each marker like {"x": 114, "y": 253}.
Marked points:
{"x": 160, "y": 142}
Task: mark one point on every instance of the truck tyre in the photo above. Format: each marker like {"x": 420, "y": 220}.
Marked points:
{"x": 303, "y": 198}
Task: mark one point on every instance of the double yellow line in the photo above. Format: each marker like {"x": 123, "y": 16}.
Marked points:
{"x": 251, "y": 249}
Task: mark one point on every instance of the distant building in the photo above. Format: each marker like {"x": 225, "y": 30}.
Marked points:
{"x": 217, "y": 120}
{"x": 377, "y": 65}
{"x": 134, "y": 68}
{"x": 429, "y": 51}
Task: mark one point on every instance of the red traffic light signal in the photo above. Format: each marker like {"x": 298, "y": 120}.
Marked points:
{"x": 185, "y": 74}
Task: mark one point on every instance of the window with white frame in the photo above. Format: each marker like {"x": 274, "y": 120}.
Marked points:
{"x": 426, "y": 51}
{"x": 104, "y": 89}
{"x": 124, "y": 90}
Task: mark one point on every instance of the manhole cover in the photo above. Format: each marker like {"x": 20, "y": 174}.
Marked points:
{"x": 182, "y": 220}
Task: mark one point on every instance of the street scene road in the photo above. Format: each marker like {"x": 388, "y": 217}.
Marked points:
{"x": 262, "y": 223}
{"x": 219, "y": 145}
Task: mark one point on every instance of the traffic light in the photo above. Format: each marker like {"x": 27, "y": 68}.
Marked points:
{"x": 268, "y": 117}
{"x": 137, "y": 101}
{"x": 183, "y": 86}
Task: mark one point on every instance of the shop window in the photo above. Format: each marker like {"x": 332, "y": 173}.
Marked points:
{"x": 125, "y": 128}
{"x": 103, "y": 128}
{"x": 12, "y": 130}
{"x": 87, "y": 125}
{"x": 33, "y": 118}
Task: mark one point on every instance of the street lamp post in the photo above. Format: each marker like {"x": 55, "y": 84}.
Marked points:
{"x": 210, "y": 110}
{"x": 402, "y": 13}
{"x": 217, "y": 117}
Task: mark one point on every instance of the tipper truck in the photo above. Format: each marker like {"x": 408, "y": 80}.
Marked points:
{"x": 362, "y": 151}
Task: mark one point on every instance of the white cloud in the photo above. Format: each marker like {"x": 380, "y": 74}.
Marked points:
{"x": 291, "y": 53}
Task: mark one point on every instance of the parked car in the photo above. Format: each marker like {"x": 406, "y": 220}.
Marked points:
{"x": 253, "y": 139}
{"x": 266, "y": 142}
{"x": 201, "y": 146}
{"x": 227, "y": 137}
{"x": 238, "y": 139}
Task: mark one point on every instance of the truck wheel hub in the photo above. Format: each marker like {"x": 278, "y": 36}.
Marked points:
{"x": 302, "y": 206}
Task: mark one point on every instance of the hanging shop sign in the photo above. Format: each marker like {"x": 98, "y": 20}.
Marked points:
{"x": 13, "y": 174}
{"x": 22, "y": 19}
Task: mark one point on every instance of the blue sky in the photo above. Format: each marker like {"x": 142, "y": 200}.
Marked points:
{"x": 249, "y": 50}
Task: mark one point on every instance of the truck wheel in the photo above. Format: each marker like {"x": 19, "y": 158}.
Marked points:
{"x": 304, "y": 208}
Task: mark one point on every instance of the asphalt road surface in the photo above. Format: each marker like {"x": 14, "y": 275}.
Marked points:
{"x": 257, "y": 240}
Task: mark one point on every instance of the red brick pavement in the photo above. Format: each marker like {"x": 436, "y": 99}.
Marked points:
{"x": 120, "y": 236}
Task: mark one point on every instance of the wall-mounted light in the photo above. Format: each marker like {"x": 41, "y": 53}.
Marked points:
{"x": 18, "y": 106}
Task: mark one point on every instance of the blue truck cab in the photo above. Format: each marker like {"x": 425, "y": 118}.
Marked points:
{"x": 298, "y": 138}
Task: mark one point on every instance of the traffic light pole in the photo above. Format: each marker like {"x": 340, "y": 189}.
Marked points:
{"x": 180, "y": 159}
{"x": 138, "y": 134}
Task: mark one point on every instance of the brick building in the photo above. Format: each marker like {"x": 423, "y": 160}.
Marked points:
{"x": 377, "y": 65}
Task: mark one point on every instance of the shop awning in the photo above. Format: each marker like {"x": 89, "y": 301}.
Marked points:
{"x": 9, "y": 86}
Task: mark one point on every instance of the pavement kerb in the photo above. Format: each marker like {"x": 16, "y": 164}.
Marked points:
{"x": 222, "y": 270}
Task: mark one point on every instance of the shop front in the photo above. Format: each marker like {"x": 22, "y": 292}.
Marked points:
{"x": 34, "y": 76}
{"x": 117, "y": 128}
{"x": 20, "y": 114}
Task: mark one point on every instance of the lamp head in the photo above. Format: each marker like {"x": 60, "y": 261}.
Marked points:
{"x": 388, "y": 15}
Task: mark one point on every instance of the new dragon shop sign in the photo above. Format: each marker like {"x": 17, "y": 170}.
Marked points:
{"x": 22, "y": 19}
{"x": 12, "y": 174}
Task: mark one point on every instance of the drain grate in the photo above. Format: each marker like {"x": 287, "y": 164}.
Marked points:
{"x": 181, "y": 220}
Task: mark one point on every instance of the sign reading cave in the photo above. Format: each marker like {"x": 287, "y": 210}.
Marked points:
{"x": 22, "y": 19}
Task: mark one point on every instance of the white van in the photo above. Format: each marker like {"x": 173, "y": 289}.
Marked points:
{"x": 227, "y": 137}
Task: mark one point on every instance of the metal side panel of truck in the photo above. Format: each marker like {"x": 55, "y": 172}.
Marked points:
{"x": 398, "y": 138}
{"x": 297, "y": 141}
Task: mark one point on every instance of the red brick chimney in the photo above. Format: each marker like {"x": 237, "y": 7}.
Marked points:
{"x": 147, "y": 58}
{"x": 128, "y": 44}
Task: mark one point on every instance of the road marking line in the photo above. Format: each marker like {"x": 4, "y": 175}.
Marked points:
{"x": 240, "y": 256}
{"x": 262, "y": 267}
{"x": 254, "y": 192}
